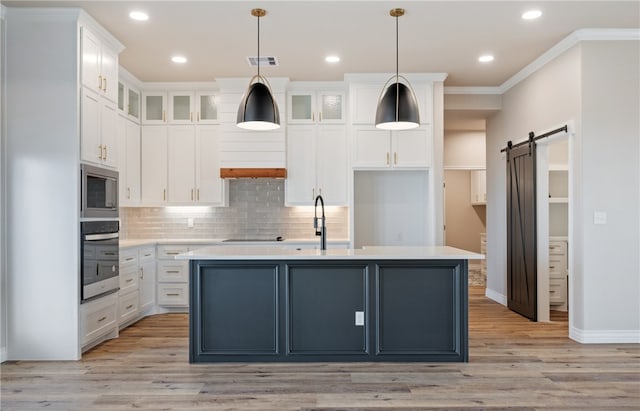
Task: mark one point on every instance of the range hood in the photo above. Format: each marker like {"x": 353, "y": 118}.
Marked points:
{"x": 253, "y": 172}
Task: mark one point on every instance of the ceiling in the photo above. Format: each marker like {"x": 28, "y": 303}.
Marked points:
{"x": 435, "y": 36}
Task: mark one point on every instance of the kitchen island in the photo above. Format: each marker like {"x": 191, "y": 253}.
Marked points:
{"x": 271, "y": 304}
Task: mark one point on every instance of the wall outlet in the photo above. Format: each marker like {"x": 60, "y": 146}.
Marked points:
{"x": 190, "y": 222}
{"x": 600, "y": 217}
{"x": 359, "y": 318}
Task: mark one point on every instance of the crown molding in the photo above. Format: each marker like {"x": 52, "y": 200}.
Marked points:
{"x": 549, "y": 55}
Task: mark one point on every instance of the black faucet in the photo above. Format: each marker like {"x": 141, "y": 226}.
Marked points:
{"x": 322, "y": 230}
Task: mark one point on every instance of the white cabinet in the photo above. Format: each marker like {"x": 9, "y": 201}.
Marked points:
{"x": 478, "y": 187}
{"x": 180, "y": 107}
{"x": 154, "y": 165}
{"x": 129, "y": 161}
{"x": 325, "y": 107}
{"x": 98, "y": 144}
{"x": 172, "y": 276}
{"x": 558, "y": 271}
{"x": 316, "y": 164}
{"x": 129, "y": 101}
{"x": 374, "y": 148}
{"x": 128, "y": 294}
{"x": 98, "y": 320}
{"x": 180, "y": 166}
{"x": 147, "y": 278}
{"x": 99, "y": 66}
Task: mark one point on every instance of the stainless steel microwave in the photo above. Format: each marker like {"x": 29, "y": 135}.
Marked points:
{"x": 99, "y": 192}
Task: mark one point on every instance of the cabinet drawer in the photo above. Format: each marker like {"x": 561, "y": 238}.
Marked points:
{"x": 557, "y": 263}
{"x": 173, "y": 271}
{"x": 128, "y": 257}
{"x": 128, "y": 307}
{"x": 170, "y": 251}
{"x": 557, "y": 248}
{"x": 174, "y": 295}
{"x": 98, "y": 317}
{"x": 557, "y": 291}
{"x": 128, "y": 279}
{"x": 146, "y": 254}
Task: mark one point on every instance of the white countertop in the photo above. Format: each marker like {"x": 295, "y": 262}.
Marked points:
{"x": 220, "y": 241}
{"x": 366, "y": 253}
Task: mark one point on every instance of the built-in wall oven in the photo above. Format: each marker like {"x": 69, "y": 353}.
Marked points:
{"x": 99, "y": 254}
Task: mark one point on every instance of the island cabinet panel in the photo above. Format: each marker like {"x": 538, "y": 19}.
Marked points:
{"x": 322, "y": 305}
{"x": 323, "y": 310}
{"x": 238, "y": 309}
{"x": 419, "y": 310}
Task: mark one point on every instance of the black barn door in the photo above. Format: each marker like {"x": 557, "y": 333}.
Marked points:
{"x": 521, "y": 230}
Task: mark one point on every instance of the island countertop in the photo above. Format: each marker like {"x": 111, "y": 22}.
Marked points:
{"x": 365, "y": 253}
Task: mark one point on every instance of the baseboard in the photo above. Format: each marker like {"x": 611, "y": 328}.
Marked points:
{"x": 3, "y": 354}
{"x": 605, "y": 336}
{"x": 495, "y": 296}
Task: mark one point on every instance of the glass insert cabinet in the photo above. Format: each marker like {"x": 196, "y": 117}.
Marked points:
{"x": 180, "y": 107}
{"x": 319, "y": 107}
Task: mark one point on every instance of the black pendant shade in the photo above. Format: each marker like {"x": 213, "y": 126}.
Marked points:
{"x": 258, "y": 110}
{"x": 397, "y": 109}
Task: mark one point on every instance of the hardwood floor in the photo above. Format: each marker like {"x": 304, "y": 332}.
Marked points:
{"x": 514, "y": 364}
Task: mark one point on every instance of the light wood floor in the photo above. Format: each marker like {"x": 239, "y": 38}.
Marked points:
{"x": 514, "y": 364}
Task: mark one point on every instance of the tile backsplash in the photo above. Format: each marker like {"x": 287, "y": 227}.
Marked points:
{"x": 256, "y": 210}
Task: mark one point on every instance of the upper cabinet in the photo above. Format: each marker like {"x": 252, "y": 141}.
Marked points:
{"x": 322, "y": 107}
{"x": 129, "y": 101}
{"x": 478, "y": 185}
{"x": 180, "y": 107}
{"x": 381, "y": 149}
{"x": 99, "y": 65}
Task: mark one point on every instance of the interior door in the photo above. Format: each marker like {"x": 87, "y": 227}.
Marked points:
{"x": 521, "y": 230}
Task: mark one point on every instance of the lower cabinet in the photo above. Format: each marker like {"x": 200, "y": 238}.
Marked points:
{"x": 98, "y": 320}
{"x": 318, "y": 310}
{"x": 128, "y": 294}
{"x": 172, "y": 277}
{"x": 147, "y": 278}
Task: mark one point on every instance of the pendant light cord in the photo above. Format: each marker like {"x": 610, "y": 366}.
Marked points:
{"x": 397, "y": 53}
{"x": 397, "y": 75}
{"x": 258, "y": 62}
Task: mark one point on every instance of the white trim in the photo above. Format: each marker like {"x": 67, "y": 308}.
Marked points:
{"x": 472, "y": 90}
{"x": 604, "y": 336}
{"x": 317, "y": 85}
{"x": 468, "y": 168}
{"x": 382, "y": 77}
{"x": 495, "y": 296}
{"x": 564, "y": 45}
{"x": 129, "y": 78}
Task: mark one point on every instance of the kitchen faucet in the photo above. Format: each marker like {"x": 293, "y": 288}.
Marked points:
{"x": 322, "y": 230}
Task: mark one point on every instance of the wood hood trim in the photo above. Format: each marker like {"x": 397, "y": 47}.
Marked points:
{"x": 253, "y": 173}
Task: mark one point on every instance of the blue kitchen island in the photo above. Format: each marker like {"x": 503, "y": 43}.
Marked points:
{"x": 274, "y": 304}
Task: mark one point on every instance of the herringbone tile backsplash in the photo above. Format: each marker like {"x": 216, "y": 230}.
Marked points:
{"x": 256, "y": 210}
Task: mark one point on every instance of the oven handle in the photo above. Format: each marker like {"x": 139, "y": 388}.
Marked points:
{"x": 93, "y": 237}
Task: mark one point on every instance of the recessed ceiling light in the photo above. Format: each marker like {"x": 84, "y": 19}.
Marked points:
{"x": 332, "y": 59}
{"x": 139, "y": 15}
{"x": 486, "y": 58}
{"x": 179, "y": 59}
{"x": 531, "y": 14}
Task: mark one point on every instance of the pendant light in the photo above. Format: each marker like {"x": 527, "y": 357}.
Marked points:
{"x": 258, "y": 110}
{"x": 397, "y": 105}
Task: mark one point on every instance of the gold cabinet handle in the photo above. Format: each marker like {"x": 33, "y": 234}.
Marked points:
{"x": 191, "y": 116}
{"x": 129, "y": 193}
{"x": 142, "y": 273}
{"x": 129, "y": 280}
{"x": 387, "y": 158}
{"x": 164, "y": 194}
{"x": 102, "y": 319}
{"x": 198, "y": 116}
{"x": 172, "y": 271}
{"x": 130, "y": 306}
{"x": 104, "y": 80}
{"x": 320, "y": 116}
{"x": 105, "y": 152}
{"x": 100, "y": 82}
{"x": 172, "y": 294}
{"x": 395, "y": 158}
{"x": 100, "y": 150}
{"x": 164, "y": 116}
{"x": 192, "y": 194}
{"x": 313, "y": 116}
{"x": 313, "y": 194}
{"x": 198, "y": 194}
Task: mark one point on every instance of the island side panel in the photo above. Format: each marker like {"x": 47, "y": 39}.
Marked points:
{"x": 421, "y": 311}
{"x": 322, "y": 302}
{"x": 234, "y": 310}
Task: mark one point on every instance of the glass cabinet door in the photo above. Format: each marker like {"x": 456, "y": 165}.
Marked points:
{"x": 133, "y": 108}
{"x": 121, "y": 96}
{"x": 181, "y": 108}
{"x": 154, "y": 108}
{"x": 207, "y": 108}
{"x": 301, "y": 107}
{"x": 331, "y": 107}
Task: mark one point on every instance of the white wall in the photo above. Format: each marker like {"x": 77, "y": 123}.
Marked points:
{"x": 3, "y": 271}
{"x": 464, "y": 149}
{"x": 595, "y": 84}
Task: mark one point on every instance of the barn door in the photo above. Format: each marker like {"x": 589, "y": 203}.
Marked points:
{"x": 521, "y": 230}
